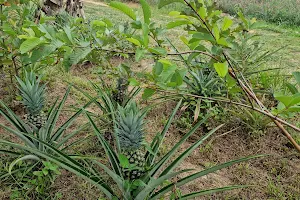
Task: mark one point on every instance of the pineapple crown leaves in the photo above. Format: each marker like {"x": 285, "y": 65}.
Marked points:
{"x": 129, "y": 126}
{"x": 33, "y": 94}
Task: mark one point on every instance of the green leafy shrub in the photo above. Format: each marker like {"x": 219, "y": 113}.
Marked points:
{"x": 31, "y": 181}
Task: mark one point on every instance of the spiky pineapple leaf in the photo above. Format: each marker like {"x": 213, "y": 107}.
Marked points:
{"x": 211, "y": 191}
{"x": 194, "y": 176}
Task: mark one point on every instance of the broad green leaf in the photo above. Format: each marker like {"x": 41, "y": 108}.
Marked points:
{"x": 242, "y": 17}
{"x": 134, "y": 41}
{"x": 163, "y": 3}
{"x": 99, "y": 23}
{"x": 148, "y": 93}
{"x": 123, "y": 8}
{"x": 178, "y": 23}
{"x": 158, "y": 50}
{"x": 285, "y": 99}
{"x": 292, "y": 88}
{"x": 42, "y": 51}
{"x": 202, "y": 12}
{"x": 221, "y": 68}
{"x": 297, "y": 77}
{"x": 124, "y": 162}
{"x": 293, "y": 109}
{"x": 68, "y": 33}
{"x": 165, "y": 62}
{"x": 204, "y": 36}
{"x": 177, "y": 79}
{"x": 30, "y": 44}
{"x": 216, "y": 32}
{"x": 227, "y": 23}
{"x": 133, "y": 82}
{"x": 139, "y": 54}
{"x": 145, "y": 34}
{"x": 174, "y": 13}
{"x": 146, "y": 11}
{"x": 157, "y": 69}
{"x": 77, "y": 56}
{"x": 295, "y": 100}
{"x": 222, "y": 41}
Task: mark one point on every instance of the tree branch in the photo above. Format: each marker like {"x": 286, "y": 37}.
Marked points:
{"x": 247, "y": 90}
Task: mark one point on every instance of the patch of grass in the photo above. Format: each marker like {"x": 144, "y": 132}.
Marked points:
{"x": 278, "y": 11}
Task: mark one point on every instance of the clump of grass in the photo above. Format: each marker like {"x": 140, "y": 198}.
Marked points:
{"x": 276, "y": 11}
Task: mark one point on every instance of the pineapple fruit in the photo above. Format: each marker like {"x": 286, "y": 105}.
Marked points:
{"x": 33, "y": 99}
{"x": 120, "y": 93}
{"x": 131, "y": 135}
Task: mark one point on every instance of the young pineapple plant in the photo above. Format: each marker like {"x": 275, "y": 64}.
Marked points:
{"x": 33, "y": 99}
{"x": 119, "y": 94}
{"x": 129, "y": 129}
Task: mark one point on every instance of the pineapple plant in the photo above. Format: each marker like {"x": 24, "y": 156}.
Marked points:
{"x": 33, "y": 99}
{"x": 130, "y": 132}
{"x": 119, "y": 94}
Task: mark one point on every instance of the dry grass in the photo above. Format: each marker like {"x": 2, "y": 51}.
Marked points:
{"x": 277, "y": 11}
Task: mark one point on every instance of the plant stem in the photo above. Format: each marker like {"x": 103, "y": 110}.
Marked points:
{"x": 238, "y": 104}
{"x": 249, "y": 92}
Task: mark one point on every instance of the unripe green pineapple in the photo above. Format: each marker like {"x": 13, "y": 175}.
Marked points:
{"x": 131, "y": 135}
{"x": 120, "y": 93}
{"x": 33, "y": 98}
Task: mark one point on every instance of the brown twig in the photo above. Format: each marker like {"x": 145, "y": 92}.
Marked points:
{"x": 238, "y": 104}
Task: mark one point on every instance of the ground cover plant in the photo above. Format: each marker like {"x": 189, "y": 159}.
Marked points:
{"x": 150, "y": 73}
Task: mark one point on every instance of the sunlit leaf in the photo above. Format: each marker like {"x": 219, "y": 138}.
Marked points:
{"x": 123, "y": 8}
{"x": 30, "y": 44}
{"x": 221, "y": 68}
{"x": 146, "y": 11}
